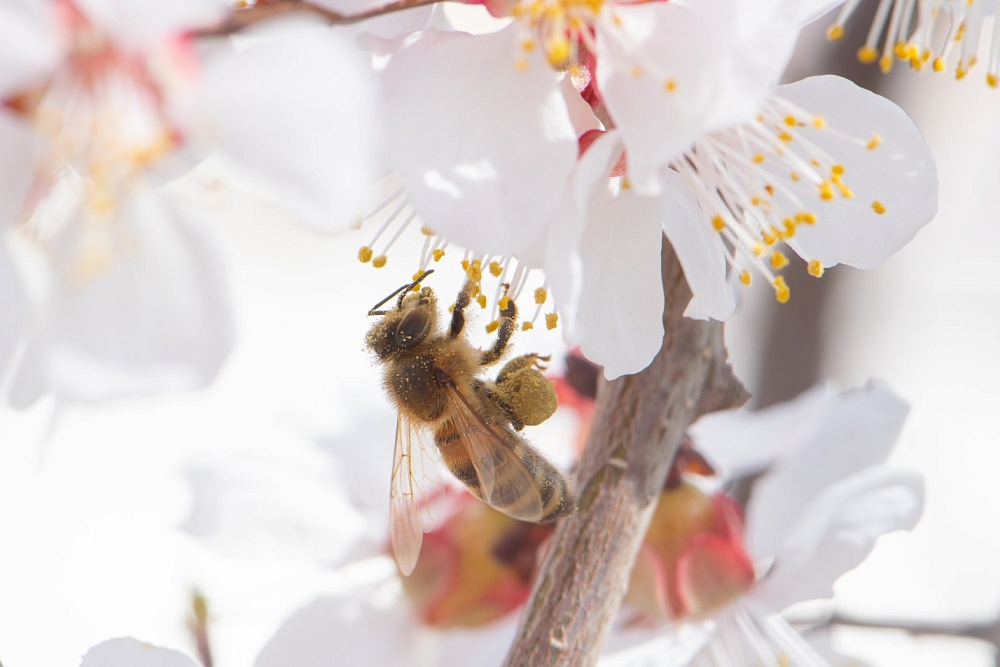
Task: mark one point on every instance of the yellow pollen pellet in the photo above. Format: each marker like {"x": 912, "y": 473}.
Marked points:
{"x": 438, "y": 254}
{"x": 867, "y": 55}
{"x": 815, "y": 268}
{"x": 778, "y": 260}
{"x": 365, "y": 254}
{"x": 878, "y": 207}
{"x": 826, "y": 190}
{"x": 495, "y": 269}
{"x": 874, "y": 142}
{"x": 551, "y": 321}
{"x": 379, "y": 261}
{"x": 745, "y": 277}
{"x": 492, "y": 326}
{"x": 835, "y": 32}
{"x": 718, "y": 223}
{"x": 474, "y": 272}
{"x": 781, "y": 291}
{"x": 541, "y": 294}
{"x": 527, "y": 326}
{"x": 819, "y": 122}
{"x": 481, "y": 300}
{"x": 758, "y": 158}
{"x": 503, "y": 302}
{"x": 670, "y": 85}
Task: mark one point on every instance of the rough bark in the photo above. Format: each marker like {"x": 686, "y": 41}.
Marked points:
{"x": 638, "y": 425}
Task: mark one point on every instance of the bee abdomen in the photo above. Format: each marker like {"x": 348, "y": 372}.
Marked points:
{"x": 449, "y": 443}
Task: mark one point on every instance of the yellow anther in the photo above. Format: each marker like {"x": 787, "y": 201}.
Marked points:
{"x": 718, "y": 223}
{"x": 770, "y": 238}
{"x": 495, "y": 269}
{"x": 837, "y": 169}
{"x": 793, "y": 175}
{"x": 781, "y": 291}
{"x": 745, "y": 277}
{"x": 438, "y": 254}
{"x": 521, "y": 65}
{"x": 826, "y": 190}
{"x": 670, "y": 85}
{"x": 815, "y": 268}
{"x": 365, "y": 254}
{"x": 874, "y": 142}
{"x": 481, "y": 300}
{"x": 789, "y": 228}
{"x": 541, "y": 294}
{"x": 901, "y": 50}
{"x": 426, "y": 231}
{"x": 465, "y": 265}
{"x": 835, "y": 32}
{"x": 503, "y": 302}
{"x": 867, "y": 55}
{"x": 845, "y": 191}
{"x": 528, "y": 45}
{"x": 991, "y": 80}
{"x": 819, "y": 122}
{"x": 492, "y": 326}
{"x": 527, "y": 326}
{"x": 806, "y": 217}
{"x": 785, "y": 137}
{"x": 379, "y": 261}
{"x": 791, "y": 121}
{"x": 778, "y": 260}
{"x": 885, "y": 64}
{"x": 758, "y": 158}
{"x": 551, "y": 320}
{"x": 960, "y": 72}
{"x": 474, "y": 271}
{"x": 755, "y": 200}
{"x": 559, "y": 51}
{"x": 878, "y": 207}
{"x": 758, "y": 249}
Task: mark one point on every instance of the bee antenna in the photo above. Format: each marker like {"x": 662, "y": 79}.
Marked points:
{"x": 401, "y": 291}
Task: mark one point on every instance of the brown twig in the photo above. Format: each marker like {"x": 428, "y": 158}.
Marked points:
{"x": 241, "y": 19}
{"x": 639, "y": 422}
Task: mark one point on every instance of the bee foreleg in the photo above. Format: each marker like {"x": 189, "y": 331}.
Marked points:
{"x": 458, "y": 312}
{"x": 507, "y": 323}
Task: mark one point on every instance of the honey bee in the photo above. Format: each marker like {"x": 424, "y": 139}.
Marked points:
{"x": 431, "y": 377}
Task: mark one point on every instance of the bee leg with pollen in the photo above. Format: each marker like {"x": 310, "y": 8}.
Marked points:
{"x": 523, "y": 391}
{"x": 505, "y": 329}
{"x": 458, "y": 312}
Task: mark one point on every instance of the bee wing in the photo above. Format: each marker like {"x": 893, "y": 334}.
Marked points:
{"x": 506, "y": 481}
{"x": 406, "y": 495}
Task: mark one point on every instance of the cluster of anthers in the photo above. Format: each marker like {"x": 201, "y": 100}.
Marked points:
{"x": 753, "y": 182}
{"x": 398, "y": 214}
{"x": 927, "y": 34}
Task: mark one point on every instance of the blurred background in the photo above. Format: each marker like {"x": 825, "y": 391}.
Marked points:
{"x": 93, "y": 499}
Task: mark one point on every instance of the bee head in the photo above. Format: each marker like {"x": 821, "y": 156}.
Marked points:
{"x": 405, "y": 327}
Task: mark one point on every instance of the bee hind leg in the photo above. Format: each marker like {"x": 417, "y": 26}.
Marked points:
{"x": 523, "y": 392}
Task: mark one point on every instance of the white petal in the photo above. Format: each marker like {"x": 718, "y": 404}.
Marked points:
{"x": 158, "y": 318}
{"x": 839, "y": 532}
{"x": 308, "y": 135}
{"x": 14, "y": 306}
{"x": 483, "y": 147}
{"x": 21, "y": 151}
{"x": 855, "y": 431}
{"x": 700, "y": 250}
{"x": 619, "y": 323}
{"x": 370, "y": 624}
{"x": 128, "y": 652}
{"x": 722, "y": 57}
{"x": 580, "y": 113}
{"x": 745, "y": 442}
{"x": 136, "y": 23}
{"x": 29, "y": 44}
{"x": 900, "y": 174}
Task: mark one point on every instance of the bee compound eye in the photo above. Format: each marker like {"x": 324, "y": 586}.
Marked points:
{"x": 412, "y": 329}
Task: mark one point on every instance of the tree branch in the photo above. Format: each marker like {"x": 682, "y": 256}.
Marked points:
{"x": 638, "y": 425}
